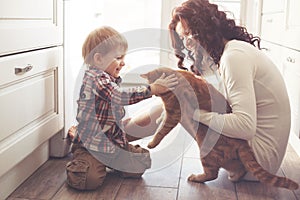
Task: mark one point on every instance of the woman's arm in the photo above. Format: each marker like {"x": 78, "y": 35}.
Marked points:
{"x": 237, "y": 73}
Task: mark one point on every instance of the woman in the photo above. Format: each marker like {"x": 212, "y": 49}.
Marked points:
{"x": 252, "y": 84}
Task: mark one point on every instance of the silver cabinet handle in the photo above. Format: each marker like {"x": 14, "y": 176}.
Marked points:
{"x": 20, "y": 71}
{"x": 265, "y": 49}
{"x": 291, "y": 60}
{"x": 98, "y": 14}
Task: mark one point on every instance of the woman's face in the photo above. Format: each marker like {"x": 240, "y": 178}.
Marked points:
{"x": 183, "y": 32}
{"x": 192, "y": 44}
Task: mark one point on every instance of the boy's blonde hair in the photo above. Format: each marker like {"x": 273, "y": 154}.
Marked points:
{"x": 102, "y": 40}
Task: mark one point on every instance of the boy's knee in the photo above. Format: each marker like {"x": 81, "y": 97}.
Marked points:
{"x": 139, "y": 160}
{"x": 85, "y": 172}
{"x": 95, "y": 177}
{"x": 130, "y": 175}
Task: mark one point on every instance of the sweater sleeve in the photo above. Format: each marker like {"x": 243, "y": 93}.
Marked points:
{"x": 237, "y": 72}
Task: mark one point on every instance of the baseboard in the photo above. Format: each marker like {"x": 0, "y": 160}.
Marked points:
{"x": 19, "y": 173}
{"x": 58, "y": 145}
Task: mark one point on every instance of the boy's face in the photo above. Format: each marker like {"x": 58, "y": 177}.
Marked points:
{"x": 115, "y": 62}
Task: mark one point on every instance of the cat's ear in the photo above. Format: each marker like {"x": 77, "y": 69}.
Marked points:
{"x": 145, "y": 75}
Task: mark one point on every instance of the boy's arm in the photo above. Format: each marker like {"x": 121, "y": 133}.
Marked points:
{"x": 129, "y": 96}
{"x": 110, "y": 91}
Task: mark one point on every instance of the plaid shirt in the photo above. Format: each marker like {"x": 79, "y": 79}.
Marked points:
{"x": 101, "y": 109}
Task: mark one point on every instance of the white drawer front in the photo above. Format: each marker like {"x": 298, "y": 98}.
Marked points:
{"x": 272, "y": 27}
{"x": 30, "y": 24}
{"x": 271, "y": 6}
{"x": 292, "y": 26}
{"x": 27, "y": 101}
{"x": 24, "y": 9}
{"x": 40, "y": 61}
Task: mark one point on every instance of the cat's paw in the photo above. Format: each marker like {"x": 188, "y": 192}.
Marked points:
{"x": 192, "y": 177}
{"x": 151, "y": 145}
{"x": 195, "y": 178}
{"x": 201, "y": 178}
{"x": 236, "y": 176}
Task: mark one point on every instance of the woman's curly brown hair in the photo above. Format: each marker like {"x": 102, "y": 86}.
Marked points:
{"x": 208, "y": 26}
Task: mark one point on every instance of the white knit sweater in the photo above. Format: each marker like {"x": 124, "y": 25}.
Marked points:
{"x": 256, "y": 91}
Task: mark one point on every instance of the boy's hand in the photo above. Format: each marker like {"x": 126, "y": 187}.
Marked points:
{"x": 163, "y": 84}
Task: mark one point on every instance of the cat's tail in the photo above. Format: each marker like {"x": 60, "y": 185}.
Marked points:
{"x": 248, "y": 159}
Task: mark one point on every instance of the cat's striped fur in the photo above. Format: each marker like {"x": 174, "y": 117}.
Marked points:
{"x": 234, "y": 155}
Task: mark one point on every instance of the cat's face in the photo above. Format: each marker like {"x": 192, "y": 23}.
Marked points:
{"x": 150, "y": 76}
{"x": 155, "y": 74}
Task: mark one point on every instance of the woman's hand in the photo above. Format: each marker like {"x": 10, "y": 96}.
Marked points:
{"x": 197, "y": 115}
{"x": 163, "y": 84}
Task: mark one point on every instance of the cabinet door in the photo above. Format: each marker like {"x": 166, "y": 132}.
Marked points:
{"x": 292, "y": 24}
{"x": 291, "y": 74}
{"x": 31, "y": 102}
{"x": 30, "y": 24}
{"x": 274, "y": 52}
{"x": 272, "y": 27}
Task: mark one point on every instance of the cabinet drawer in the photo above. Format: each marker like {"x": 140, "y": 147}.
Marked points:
{"x": 40, "y": 10}
{"x": 273, "y": 27}
{"x": 274, "y": 52}
{"x": 31, "y": 24}
{"x": 292, "y": 26}
{"x": 27, "y": 101}
{"x": 32, "y": 64}
{"x": 269, "y": 6}
{"x": 27, "y": 97}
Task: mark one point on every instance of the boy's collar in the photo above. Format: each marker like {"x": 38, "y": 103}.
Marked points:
{"x": 117, "y": 80}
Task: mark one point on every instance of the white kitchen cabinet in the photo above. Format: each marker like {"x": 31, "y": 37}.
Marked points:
{"x": 272, "y": 28}
{"x": 31, "y": 86}
{"x": 273, "y": 21}
{"x": 274, "y": 52}
{"x": 288, "y": 62}
{"x": 31, "y": 101}
{"x": 292, "y": 24}
{"x": 291, "y": 74}
{"x": 280, "y": 31}
{"x": 30, "y": 24}
{"x": 280, "y": 22}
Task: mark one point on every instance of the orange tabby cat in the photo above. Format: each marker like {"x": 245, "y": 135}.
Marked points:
{"x": 234, "y": 155}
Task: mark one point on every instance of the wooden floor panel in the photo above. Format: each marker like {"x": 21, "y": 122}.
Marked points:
{"x": 45, "y": 182}
{"x": 259, "y": 191}
{"x": 109, "y": 190}
{"x": 131, "y": 192}
{"x": 220, "y": 187}
{"x": 168, "y": 183}
{"x": 167, "y": 177}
